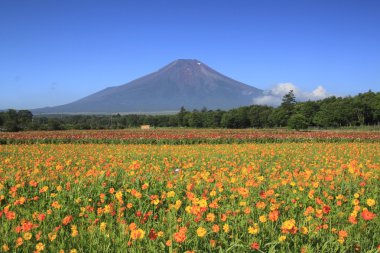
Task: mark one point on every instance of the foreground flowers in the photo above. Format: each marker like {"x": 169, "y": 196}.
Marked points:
{"x": 144, "y": 198}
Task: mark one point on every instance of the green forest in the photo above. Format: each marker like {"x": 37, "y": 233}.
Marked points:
{"x": 332, "y": 112}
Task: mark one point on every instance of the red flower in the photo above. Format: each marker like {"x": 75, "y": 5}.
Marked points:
{"x": 326, "y": 209}
{"x": 41, "y": 217}
{"x": 367, "y": 215}
{"x": 152, "y": 235}
{"x": 255, "y": 246}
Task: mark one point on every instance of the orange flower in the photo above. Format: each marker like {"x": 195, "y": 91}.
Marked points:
{"x": 10, "y": 215}
{"x": 343, "y": 233}
{"x": 215, "y": 228}
{"x": 367, "y": 215}
{"x": 67, "y": 220}
{"x": 5, "y": 247}
{"x": 132, "y": 226}
{"x": 352, "y": 219}
{"x": 309, "y": 210}
{"x": 244, "y": 192}
{"x": 41, "y": 217}
{"x": 180, "y": 236}
{"x": 44, "y": 189}
{"x": 273, "y": 215}
{"x": 210, "y": 217}
{"x": 260, "y": 205}
{"x": 19, "y": 242}
{"x": 56, "y": 205}
{"x": 33, "y": 183}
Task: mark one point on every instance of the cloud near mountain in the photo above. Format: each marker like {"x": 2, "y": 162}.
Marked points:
{"x": 274, "y": 96}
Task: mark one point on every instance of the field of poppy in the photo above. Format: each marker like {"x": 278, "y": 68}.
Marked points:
{"x": 268, "y": 197}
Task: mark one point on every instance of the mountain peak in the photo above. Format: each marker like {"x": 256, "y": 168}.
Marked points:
{"x": 183, "y": 63}
{"x": 183, "y": 82}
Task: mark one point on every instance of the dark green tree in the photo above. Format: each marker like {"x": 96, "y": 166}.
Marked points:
{"x": 195, "y": 119}
{"x": 11, "y": 122}
{"x": 25, "y": 119}
{"x": 182, "y": 113}
{"x": 298, "y": 121}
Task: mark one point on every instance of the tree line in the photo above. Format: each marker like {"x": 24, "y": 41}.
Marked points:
{"x": 362, "y": 109}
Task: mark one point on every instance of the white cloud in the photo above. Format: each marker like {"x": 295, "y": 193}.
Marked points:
{"x": 267, "y": 100}
{"x": 274, "y": 96}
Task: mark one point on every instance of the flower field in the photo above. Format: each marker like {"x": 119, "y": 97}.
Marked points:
{"x": 186, "y": 136}
{"x": 252, "y": 197}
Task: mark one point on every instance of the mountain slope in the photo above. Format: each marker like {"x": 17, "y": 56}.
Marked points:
{"x": 188, "y": 83}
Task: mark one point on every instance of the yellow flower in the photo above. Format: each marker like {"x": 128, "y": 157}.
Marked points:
{"x": 160, "y": 233}
{"x": 282, "y": 238}
{"x": 52, "y": 236}
{"x": 201, "y": 232}
{"x": 103, "y": 226}
{"x": 254, "y": 229}
{"x": 289, "y": 226}
{"x": 27, "y": 236}
{"x": 107, "y": 209}
{"x": 226, "y": 228}
{"x": 137, "y": 234}
{"x": 74, "y": 231}
{"x": 5, "y": 248}
{"x": 371, "y": 202}
{"x": 304, "y": 230}
{"x": 171, "y": 194}
{"x": 40, "y": 246}
{"x": 262, "y": 218}
{"x": 202, "y": 203}
{"x": 356, "y": 195}
{"x": 73, "y": 251}
{"x": 242, "y": 203}
{"x": 177, "y": 204}
{"x": 119, "y": 196}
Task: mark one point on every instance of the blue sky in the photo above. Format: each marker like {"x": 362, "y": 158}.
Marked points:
{"x": 56, "y": 51}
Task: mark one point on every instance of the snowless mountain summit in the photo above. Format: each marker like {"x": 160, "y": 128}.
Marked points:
{"x": 184, "y": 82}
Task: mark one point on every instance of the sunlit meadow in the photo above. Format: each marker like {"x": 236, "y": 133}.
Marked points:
{"x": 275, "y": 197}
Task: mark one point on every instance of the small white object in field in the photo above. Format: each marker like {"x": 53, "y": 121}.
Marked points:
{"x": 177, "y": 170}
